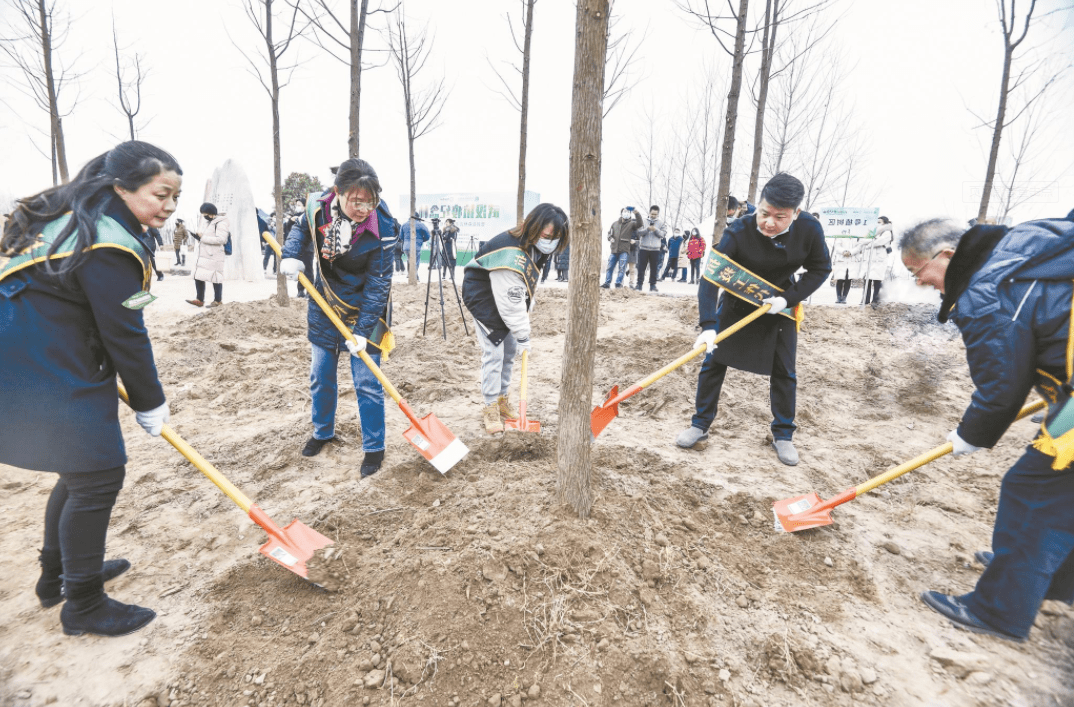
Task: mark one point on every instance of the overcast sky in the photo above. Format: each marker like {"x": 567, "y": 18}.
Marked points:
{"x": 916, "y": 70}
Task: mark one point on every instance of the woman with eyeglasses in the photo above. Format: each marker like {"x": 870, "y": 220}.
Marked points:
{"x": 354, "y": 237}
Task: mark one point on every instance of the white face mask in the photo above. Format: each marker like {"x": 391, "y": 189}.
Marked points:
{"x": 625, "y": 214}
{"x": 547, "y": 245}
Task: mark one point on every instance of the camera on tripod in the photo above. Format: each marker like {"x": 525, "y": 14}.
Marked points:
{"x": 436, "y": 224}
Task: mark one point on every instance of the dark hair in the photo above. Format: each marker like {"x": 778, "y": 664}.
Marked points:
{"x": 884, "y": 219}
{"x": 654, "y": 208}
{"x": 925, "y": 239}
{"x": 783, "y": 191}
{"x": 208, "y": 208}
{"x": 130, "y": 165}
{"x": 536, "y": 221}
{"x": 732, "y": 203}
{"x": 357, "y": 174}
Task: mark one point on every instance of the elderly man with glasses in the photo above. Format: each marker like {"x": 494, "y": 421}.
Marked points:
{"x": 1009, "y": 291}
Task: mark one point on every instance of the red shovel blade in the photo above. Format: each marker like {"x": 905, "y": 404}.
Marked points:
{"x": 793, "y": 514}
{"x": 523, "y": 423}
{"x": 604, "y": 414}
{"x": 289, "y": 547}
{"x": 435, "y": 442}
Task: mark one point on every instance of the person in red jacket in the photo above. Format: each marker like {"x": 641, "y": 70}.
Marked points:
{"x": 695, "y": 251}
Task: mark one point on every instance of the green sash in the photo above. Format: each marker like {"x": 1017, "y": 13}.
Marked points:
{"x": 510, "y": 258}
{"x": 740, "y": 282}
{"x": 109, "y": 235}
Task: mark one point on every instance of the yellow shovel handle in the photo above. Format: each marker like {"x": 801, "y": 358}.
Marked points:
{"x": 929, "y": 456}
{"x": 700, "y": 349}
{"x": 199, "y": 461}
{"x": 331, "y": 314}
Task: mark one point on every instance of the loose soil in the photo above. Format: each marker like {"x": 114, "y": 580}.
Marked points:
{"x": 480, "y": 588}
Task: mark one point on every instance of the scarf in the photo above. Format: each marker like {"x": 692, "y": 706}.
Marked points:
{"x": 974, "y": 249}
{"x": 337, "y": 237}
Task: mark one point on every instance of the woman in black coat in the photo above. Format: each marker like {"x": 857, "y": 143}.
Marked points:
{"x": 74, "y": 276}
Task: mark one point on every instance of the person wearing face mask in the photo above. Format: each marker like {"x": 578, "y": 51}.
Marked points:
{"x": 74, "y": 278}
{"x": 650, "y": 242}
{"x": 209, "y": 267}
{"x": 772, "y": 243}
{"x": 623, "y": 235}
{"x": 354, "y": 235}
{"x": 499, "y": 288}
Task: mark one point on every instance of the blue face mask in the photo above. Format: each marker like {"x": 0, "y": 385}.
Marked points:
{"x": 547, "y": 245}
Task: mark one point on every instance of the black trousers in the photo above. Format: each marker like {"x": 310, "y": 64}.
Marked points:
{"x": 648, "y": 259}
{"x": 783, "y": 388}
{"x": 695, "y": 270}
{"x": 180, "y": 257}
{"x": 545, "y": 269}
{"x": 269, "y": 253}
{"x": 218, "y": 290}
{"x": 872, "y": 290}
{"x": 842, "y": 289}
{"x": 76, "y": 520}
{"x": 673, "y": 266}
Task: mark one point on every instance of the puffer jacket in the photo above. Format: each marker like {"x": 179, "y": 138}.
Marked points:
{"x": 1014, "y": 316}
{"x": 210, "y": 263}
{"x": 695, "y": 248}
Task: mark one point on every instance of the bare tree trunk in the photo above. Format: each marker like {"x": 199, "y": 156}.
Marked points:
{"x": 282, "y": 298}
{"x": 729, "y": 124}
{"x": 573, "y": 480}
{"x": 1009, "y": 46}
{"x": 768, "y": 43}
{"x": 50, "y": 82}
{"x": 358, "y": 15}
{"x": 412, "y": 271}
{"x": 521, "y": 204}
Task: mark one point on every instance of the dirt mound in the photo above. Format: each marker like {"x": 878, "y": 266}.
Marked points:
{"x": 479, "y": 588}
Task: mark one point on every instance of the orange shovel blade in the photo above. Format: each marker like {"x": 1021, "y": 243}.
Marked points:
{"x": 604, "y": 414}
{"x": 793, "y": 514}
{"x": 523, "y": 423}
{"x": 435, "y": 442}
{"x": 289, "y": 547}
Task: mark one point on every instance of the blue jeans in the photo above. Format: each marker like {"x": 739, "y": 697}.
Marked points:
{"x": 1033, "y": 542}
{"x": 622, "y": 259}
{"x": 367, "y": 388}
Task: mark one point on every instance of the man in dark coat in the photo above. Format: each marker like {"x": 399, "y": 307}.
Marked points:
{"x": 1009, "y": 293}
{"x": 772, "y": 244}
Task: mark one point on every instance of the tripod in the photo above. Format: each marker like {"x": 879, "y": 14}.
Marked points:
{"x": 438, "y": 255}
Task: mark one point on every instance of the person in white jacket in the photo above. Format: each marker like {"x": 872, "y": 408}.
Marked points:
{"x": 872, "y": 257}
{"x": 499, "y": 288}
{"x": 209, "y": 267}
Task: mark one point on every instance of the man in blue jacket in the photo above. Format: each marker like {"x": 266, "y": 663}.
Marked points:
{"x": 1009, "y": 293}
{"x": 423, "y": 236}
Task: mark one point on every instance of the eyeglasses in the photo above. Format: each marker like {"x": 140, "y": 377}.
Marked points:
{"x": 915, "y": 273}
{"x": 362, "y": 205}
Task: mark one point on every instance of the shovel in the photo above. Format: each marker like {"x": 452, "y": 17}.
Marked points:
{"x": 603, "y": 414}
{"x": 808, "y": 511}
{"x": 289, "y": 547}
{"x": 523, "y": 424}
{"x": 428, "y": 434}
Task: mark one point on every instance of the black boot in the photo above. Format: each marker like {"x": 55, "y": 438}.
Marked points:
{"x": 90, "y": 610}
{"x": 49, "y": 586}
{"x": 371, "y": 463}
{"x": 50, "y": 589}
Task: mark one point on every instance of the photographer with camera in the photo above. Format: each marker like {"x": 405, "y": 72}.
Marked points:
{"x": 450, "y": 237}
{"x": 651, "y": 240}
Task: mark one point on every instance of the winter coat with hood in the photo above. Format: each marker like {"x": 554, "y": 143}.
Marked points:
{"x": 209, "y": 265}
{"x": 1009, "y": 294}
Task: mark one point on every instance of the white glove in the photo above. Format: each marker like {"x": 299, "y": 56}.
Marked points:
{"x": 778, "y": 304}
{"x": 153, "y": 420}
{"x": 708, "y": 338}
{"x": 356, "y": 346}
{"x": 523, "y": 346}
{"x": 961, "y": 446}
{"x": 291, "y": 267}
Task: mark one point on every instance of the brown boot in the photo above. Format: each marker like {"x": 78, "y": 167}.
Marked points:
{"x": 196, "y": 302}
{"x": 504, "y": 404}
{"x": 491, "y": 415}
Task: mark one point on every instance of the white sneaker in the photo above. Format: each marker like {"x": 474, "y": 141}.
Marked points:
{"x": 785, "y": 451}
{"x": 690, "y": 436}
